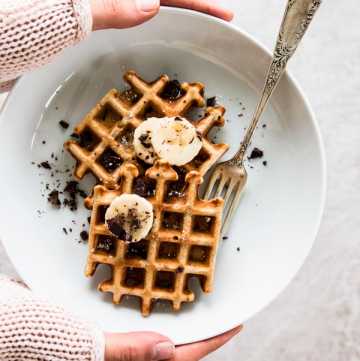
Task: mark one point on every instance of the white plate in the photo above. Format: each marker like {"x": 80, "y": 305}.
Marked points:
{"x": 280, "y": 212}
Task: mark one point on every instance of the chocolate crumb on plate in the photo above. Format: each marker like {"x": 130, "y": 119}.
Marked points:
{"x": 65, "y": 231}
{"x": 43, "y": 142}
{"x": 256, "y": 153}
{"x": 225, "y": 238}
{"x": 264, "y": 125}
{"x": 64, "y": 124}
{"x": 84, "y": 236}
{"x": 53, "y": 198}
{"x": 265, "y": 163}
{"x": 238, "y": 249}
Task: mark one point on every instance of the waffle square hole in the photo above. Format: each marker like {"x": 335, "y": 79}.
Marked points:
{"x": 199, "y": 254}
{"x": 130, "y": 96}
{"x": 134, "y": 277}
{"x": 168, "y": 250}
{"x": 144, "y": 187}
{"x": 177, "y": 189}
{"x": 172, "y": 90}
{"x": 88, "y": 139}
{"x": 106, "y": 244}
{"x": 108, "y": 117}
{"x": 173, "y": 220}
{"x": 126, "y": 137}
{"x": 101, "y": 210}
{"x": 138, "y": 250}
{"x": 200, "y": 159}
{"x": 110, "y": 160}
{"x": 203, "y": 224}
{"x": 165, "y": 280}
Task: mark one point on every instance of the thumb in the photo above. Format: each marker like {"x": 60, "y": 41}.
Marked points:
{"x": 122, "y": 13}
{"x": 138, "y": 346}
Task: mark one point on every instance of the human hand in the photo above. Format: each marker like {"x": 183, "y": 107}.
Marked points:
{"x": 149, "y": 346}
{"x": 127, "y": 13}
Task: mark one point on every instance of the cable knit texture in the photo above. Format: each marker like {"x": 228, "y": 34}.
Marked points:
{"x": 32, "y": 32}
{"x": 32, "y": 329}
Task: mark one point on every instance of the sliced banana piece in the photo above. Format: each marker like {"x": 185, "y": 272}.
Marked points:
{"x": 130, "y": 217}
{"x": 176, "y": 141}
{"x": 143, "y": 140}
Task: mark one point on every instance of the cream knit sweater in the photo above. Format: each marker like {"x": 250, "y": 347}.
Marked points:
{"x": 32, "y": 329}
{"x": 32, "y": 32}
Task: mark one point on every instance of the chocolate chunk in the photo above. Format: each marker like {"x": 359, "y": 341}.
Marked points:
{"x": 45, "y": 165}
{"x": 115, "y": 226}
{"x": 53, "y": 198}
{"x": 238, "y": 249}
{"x": 265, "y": 163}
{"x": 172, "y": 90}
{"x": 71, "y": 188}
{"x": 84, "y": 236}
{"x": 225, "y": 238}
{"x": 43, "y": 142}
{"x": 82, "y": 193}
{"x": 264, "y": 125}
{"x": 145, "y": 140}
{"x": 256, "y": 153}
{"x": 211, "y": 102}
{"x": 65, "y": 230}
{"x": 63, "y": 124}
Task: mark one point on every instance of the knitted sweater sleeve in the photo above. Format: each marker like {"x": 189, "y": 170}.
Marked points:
{"x": 32, "y": 329}
{"x": 32, "y": 32}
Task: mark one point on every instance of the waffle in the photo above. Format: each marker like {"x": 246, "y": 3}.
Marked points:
{"x": 182, "y": 244}
{"x": 104, "y": 137}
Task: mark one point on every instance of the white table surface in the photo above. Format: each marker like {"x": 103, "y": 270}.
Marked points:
{"x": 317, "y": 318}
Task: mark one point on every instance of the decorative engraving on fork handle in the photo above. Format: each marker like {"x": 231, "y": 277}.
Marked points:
{"x": 297, "y": 18}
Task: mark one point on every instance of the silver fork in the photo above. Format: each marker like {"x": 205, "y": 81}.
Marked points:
{"x": 230, "y": 177}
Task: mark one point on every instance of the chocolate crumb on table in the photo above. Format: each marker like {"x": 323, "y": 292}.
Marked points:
{"x": 84, "y": 236}
{"x": 256, "y": 153}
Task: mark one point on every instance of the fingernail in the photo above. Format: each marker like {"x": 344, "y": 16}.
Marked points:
{"x": 148, "y": 5}
{"x": 163, "y": 351}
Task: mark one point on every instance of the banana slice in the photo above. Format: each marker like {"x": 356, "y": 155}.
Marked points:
{"x": 175, "y": 140}
{"x": 143, "y": 140}
{"x": 130, "y": 217}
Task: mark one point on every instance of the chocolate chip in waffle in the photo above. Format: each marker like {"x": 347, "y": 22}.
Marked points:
{"x": 182, "y": 244}
{"x": 103, "y": 139}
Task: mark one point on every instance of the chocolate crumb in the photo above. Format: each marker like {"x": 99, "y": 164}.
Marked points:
{"x": 53, "y": 198}
{"x": 89, "y": 219}
{"x": 240, "y": 115}
{"x": 45, "y": 165}
{"x": 225, "y": 238}
{"x": 211, "y": 102}
{"x": 265, "y": 163}
{"x": 256, "y": 153}
{"x": 84, "y": 236}
{"x": 264, "y": 125}
{"x": 65, "y": 231}
{"x": 63, "y": 124}
{"x": 43, "y": 142}
{"x": 238, "y": 249}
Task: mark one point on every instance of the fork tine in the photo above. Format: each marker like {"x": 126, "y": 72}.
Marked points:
{"x": 233, "y": 207}
{"x": 231, "y": 187}
{"x": 211, "y": 184}
{"x": 221, "y": 186}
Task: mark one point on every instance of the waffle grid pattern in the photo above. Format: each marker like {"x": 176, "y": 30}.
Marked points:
{"x": 117, "y": 115}
{"x": 157, "y": 276}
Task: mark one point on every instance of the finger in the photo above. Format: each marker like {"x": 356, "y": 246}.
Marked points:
{"x": 122, "y": 13}
{"x": 205, "y": 6}
{"x": 197, "y": 351}
{"x": 138, "y": 346}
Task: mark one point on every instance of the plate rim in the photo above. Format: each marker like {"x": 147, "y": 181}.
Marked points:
{"x": 166, "y": 11}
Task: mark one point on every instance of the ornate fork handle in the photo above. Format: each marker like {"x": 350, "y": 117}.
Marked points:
{"x": 297, "y": 18}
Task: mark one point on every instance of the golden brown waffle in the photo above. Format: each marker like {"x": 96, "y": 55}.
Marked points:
{"x": 182, "y": 244}
{"x": 105, "y": 135}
